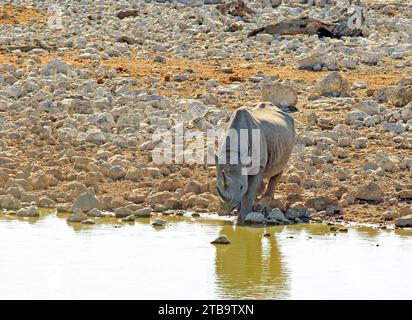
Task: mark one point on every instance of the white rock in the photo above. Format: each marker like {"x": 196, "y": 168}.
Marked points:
{"x": 355, "y": 115}
{"x": 254, "y": 217}
{"x": 371, "y": 107}
{"x": 310, "y": 62}
{"x": 369, "y": 191}
{"x": 276, "y": 214}
{"x": 279, "y": 95}
{"x": 86, "y": 202}
{"x": 77, "y": 216}
{"x": 388, "y": 215}
{"x": 122, "y": 212}
{"x": 361, "y": 142}
{"x": 397, "y": 128}
{"x": 371, "y": 57}
{"x": 334, "y": 85}
{"x": 55, "y": 66}
{"x": 403, "y": 222}
{"x": 28, "y": 212}
{"x": 95, "y": 213}
{"x": 143, "y": 213}
{"x": 264, "y": 37}
{"x": 10, "y": 203}
{"x": 406, "y": 112}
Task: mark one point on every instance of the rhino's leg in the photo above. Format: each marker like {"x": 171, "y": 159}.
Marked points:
{"x": 273, "y": 181}
{"x": 248, "y": 199}
{"x": 262, "y": 187}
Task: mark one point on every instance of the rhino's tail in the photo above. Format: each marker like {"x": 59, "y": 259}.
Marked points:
{"x": 255, "y": 32}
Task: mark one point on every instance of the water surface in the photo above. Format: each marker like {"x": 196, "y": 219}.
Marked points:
{"x": 49, "y": 258}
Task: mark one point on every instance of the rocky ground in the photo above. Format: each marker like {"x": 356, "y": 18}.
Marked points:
{"x": 83, "y": 86}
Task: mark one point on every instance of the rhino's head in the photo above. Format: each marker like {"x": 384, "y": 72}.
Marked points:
{"x": 231, "y": 184}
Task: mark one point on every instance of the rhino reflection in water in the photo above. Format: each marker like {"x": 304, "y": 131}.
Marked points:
{"x": 251, "y": 266}
{"x": 238, "y": 182}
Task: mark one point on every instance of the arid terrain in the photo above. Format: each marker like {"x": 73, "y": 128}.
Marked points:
{"x": 83, "y": 87}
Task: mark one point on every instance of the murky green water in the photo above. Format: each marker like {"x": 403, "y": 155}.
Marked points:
{"x": 48, "y": 258}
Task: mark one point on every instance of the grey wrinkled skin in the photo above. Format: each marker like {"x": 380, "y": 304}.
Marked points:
{"x": 277, "y": 137}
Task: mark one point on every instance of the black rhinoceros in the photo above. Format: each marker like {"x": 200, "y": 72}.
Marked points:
{"x": 257, "y": 145}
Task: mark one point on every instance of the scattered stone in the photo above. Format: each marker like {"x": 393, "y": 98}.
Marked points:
{"x": 127, "y": 13}
{"x": 280, "y": 95}
{"x": 312, "y": 62}
{"x": 334, "y": 85}
{"x": 10, "y": 203}
{"x": 361, "y": 142}
{"x": 388, "y": 215}
{"x": 405, "y": 194}
{"x": 369, "y": 191}
{"x": 402, "y": 94}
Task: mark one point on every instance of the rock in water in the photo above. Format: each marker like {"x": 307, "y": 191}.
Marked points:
{"x": 143, "y": 213}
{"x": 96, "y": 213}
{"x": 86, "y": 202}
{"x": 88, "y": 222}
{"x": 404, "y": 222}
{"x": 370, "y": 192}
{"x": 28, "y": 212}
{"x": 77, "y": 216}
{"x": 334, "y": 85}
{"x": 280, "y": 95}
{"x": 222, "y": 239}
{"x": 159, "y": 223}
{"x": 276, "y": 214}
{"x": 130, "y": 218}
{"x": 122, "y": 212}
{"x": 254, "y": 217}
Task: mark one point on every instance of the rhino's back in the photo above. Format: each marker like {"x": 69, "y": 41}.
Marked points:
{"x": 279, "y": 131}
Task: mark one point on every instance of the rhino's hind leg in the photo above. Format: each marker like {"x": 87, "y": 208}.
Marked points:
{"x": 250, "y": 196}
{"x": 273, "y": 181}
{"x": 262, "y": 187}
